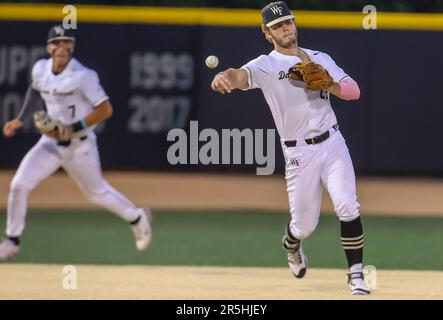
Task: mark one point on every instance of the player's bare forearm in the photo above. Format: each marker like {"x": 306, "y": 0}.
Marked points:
{"x": 101, "y": 113}
{"x": 229, "y": 80}
{"x": 11, "y": 126}
{"x": 346, "y": 89}
{"x": 238, "y": 78}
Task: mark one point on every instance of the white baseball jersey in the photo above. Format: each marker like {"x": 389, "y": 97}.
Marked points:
{"x": 70, "y": 95}
{"x": 298, "y": 113}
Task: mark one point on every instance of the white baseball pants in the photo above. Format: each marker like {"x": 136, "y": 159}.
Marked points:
{"x": 309, "y": 168}
{"x": 81, "y": 161}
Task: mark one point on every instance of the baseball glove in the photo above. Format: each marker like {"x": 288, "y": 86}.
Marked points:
{"x": 55, "y": 129}
{"x": 315, "y": 76}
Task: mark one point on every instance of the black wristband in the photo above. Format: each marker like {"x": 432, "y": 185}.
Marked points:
{"x": 79, "y": 125}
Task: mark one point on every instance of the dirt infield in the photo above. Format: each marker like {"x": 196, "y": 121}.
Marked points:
{"x": 31, "y": 281}
{"x": 216, "y": 191}
{"x": 206, "y": 192}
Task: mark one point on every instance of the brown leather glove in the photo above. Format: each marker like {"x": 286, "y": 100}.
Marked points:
{"x": 52, "y": 128}
{"x": 315, "y": 76}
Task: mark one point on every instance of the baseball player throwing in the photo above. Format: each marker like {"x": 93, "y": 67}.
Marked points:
{"x": 75, "y": 103}
{"x": 296, "y": 83}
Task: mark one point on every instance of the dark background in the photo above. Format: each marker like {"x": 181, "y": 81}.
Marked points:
{"x": 395, "y": 127}
{"x": 334, "y": 5}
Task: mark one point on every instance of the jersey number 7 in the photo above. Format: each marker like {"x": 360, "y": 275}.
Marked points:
{"x": 72, "y": 110}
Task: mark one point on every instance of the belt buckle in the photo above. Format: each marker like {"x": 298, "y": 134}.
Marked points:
{"x": 313, "y": 140}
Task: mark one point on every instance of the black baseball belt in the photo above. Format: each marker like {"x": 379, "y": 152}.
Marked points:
{"x": 67, "y": 143}
{"x": 314, "y": 140}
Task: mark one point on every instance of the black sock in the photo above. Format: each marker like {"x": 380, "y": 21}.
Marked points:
{"x": 352, "y": 241}
{"x": 290, "y": 243}
{"x": 15, "y": 240}
{"x": 136, "y": 220}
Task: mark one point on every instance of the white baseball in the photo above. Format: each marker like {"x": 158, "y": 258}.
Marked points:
{"x": 212, "y": 62}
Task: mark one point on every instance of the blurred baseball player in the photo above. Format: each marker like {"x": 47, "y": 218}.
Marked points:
{"x": 75, "y": 103}
{"x": 296, "y": 83}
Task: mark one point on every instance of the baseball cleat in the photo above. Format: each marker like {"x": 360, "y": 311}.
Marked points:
{"x": 357, "y": 284}
{"x": 8, "y": 250}
{"x": 142, "y": 230}
{"x": 298, "y": 263}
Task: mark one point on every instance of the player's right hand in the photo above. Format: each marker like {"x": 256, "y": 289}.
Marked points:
{"x": 221, "y": 83}
{"x": 11, "y": 126}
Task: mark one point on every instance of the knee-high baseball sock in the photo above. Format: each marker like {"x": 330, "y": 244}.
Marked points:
{"x": 352, "y": 242}
{"x": 290, "y": 243}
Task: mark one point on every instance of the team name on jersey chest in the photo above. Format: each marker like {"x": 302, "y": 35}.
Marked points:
{"x": 283, "y": 75}
{"x": 60, "y": 88}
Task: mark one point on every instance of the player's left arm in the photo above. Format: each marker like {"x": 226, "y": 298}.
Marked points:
{"x": 94, "y": 93}
{"x": 344, "y": 86}
{"x": 101, "y": 113}
{"x": 346, "y": 89}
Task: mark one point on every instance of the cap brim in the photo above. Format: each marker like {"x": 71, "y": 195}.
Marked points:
{"x": 270, "y": 24}
{"x": 60, "y": 38}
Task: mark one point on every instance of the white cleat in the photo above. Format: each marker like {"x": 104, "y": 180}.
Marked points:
{"x": 298, "y": 263}
{"x": 357, "y": 284}
{"x": 142, "y": 230}
{"x": 8, "y": 250}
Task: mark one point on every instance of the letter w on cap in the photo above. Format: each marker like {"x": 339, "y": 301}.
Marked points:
{"x": 59, "y": 30}
{"x": 276, "y": 10}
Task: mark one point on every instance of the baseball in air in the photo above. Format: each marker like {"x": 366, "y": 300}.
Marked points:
{"x": 212, "y": 62}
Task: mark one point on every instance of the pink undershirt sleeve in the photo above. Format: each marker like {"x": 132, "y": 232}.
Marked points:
{"x": 349, "y": 89}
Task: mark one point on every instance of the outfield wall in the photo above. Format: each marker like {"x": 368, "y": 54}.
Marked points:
{"x": 151, "y": 63}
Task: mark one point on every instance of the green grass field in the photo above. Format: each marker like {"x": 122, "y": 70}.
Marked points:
{"x": 216, "y": 238}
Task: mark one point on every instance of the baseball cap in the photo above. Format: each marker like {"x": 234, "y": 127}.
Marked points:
{"x": 276, "y": 12}
{"x": 60, "y": 33}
